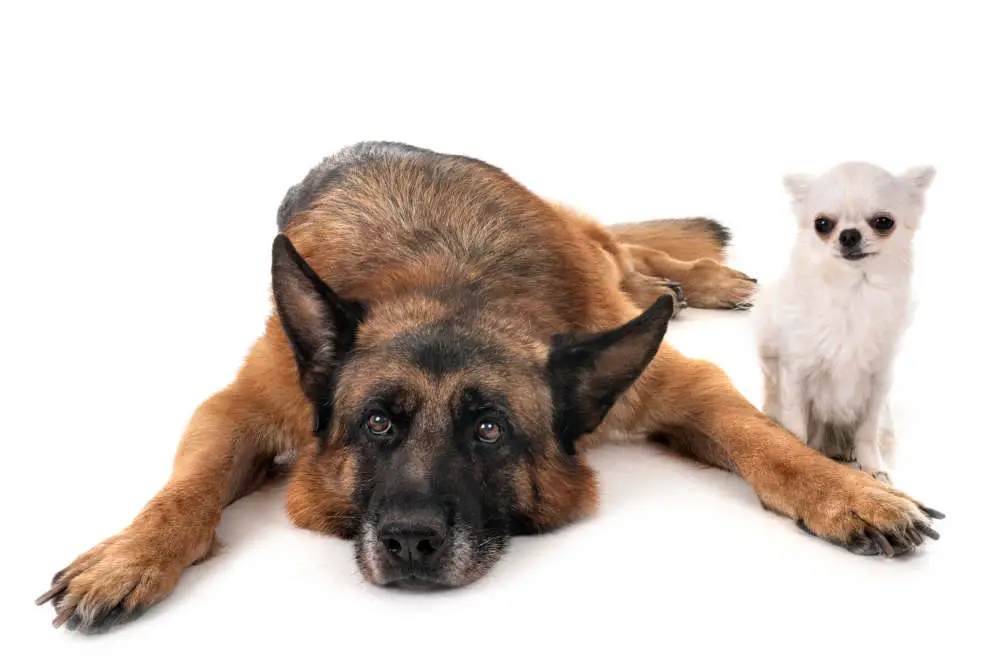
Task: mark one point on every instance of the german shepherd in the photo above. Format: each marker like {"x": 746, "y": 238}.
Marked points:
{"x": 445, "y": 348}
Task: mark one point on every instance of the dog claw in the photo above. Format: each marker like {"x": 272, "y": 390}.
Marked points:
{"x": 863, "y": 546}
{"x": 56, "y": 589}
{"x": 932, "y": 513}
{"x": 62, "y": 617}
{"x": 881, "y": 541}
{"x": 928, "y": 531}
{"x": 874, "y": 542}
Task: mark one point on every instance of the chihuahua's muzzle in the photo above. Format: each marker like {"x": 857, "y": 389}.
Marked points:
{"x": 851, "y": 246}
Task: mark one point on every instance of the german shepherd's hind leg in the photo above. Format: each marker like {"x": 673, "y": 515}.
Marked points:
{"x": 696, "y": 238}
{"x": 706, "y": 282}
{"x": 689, "y": 251}
{"x": 223, "y": 455}
{"x": 832, "y": 501}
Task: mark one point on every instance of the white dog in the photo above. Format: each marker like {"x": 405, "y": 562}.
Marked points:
{"x": 829, "y": 329}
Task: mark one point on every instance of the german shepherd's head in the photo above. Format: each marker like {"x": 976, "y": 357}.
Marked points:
{"x": 444, "y": 428}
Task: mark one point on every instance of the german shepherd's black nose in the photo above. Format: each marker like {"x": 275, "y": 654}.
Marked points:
{"x": 414, "y": 538}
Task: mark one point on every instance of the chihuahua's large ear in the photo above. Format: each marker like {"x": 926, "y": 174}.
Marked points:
{"x": 589, "y": 372}
{"x": 919, "y": 178}
{"x": 320, "y": 326}
{"x": 797, "y": 186}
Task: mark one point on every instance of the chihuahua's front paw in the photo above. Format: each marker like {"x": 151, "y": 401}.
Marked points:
{"x": 880, "y": 475}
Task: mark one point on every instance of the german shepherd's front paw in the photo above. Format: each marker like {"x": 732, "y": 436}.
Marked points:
{"x": 713, "y": 285}
{"x": 870, "y": 518}
{"x": 112, "y": 583}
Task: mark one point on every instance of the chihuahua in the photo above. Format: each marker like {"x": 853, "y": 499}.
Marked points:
{"x": 828, "y": 330}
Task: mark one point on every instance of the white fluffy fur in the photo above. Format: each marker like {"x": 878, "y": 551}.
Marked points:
{"x": 829, "y": 328}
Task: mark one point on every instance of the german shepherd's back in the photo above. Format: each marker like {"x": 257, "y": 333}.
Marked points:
{"x": 395, "y": 216}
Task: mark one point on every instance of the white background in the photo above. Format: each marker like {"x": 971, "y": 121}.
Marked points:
{"x": 143, "y": 154}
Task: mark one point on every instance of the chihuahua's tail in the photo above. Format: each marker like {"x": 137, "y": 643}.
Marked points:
{"x": 681, "y": 238}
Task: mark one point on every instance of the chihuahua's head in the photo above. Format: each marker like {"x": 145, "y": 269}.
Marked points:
{"x": 857, "y": 212}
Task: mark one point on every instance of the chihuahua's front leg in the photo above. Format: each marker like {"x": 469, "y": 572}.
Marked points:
{"x": 793, "y": 413}
{"x": 866, "y": 440}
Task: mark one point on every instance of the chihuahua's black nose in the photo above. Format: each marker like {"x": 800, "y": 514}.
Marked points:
{"x": 413, "y": 538}
{"x": 849, "y": 238}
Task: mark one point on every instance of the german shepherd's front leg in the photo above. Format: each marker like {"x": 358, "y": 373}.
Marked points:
{"x": 695, "y": 400}
{"x": 222, "y": 456}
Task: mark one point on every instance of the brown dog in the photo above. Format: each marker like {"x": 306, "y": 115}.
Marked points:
{"x": 445, "y": 348}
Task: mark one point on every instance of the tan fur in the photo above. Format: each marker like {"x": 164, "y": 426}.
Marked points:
{"x": 639, "y": 257}
{"x": 683, "y": 239}
{"x": 233, "y": 437}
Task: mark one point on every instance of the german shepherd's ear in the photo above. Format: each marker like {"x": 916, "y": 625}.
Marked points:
{"x": 589, "y": 372}
{"x": 320, "y": 326}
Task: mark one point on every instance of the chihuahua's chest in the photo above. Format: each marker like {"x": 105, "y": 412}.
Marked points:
{"x": 844, "y": 338}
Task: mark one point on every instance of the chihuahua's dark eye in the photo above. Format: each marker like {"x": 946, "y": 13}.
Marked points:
{"x": 824, "y": 225}
{"x": 488, "y": 431}
{"x": 379, "y": 424}
{"x": 882, "y": 223}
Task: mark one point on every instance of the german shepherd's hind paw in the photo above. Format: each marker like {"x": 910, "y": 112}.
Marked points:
{"x": 713, "y": 285}
{"x": 675, "y": 289}
{"x": 645, "y": 290}
{"x": 678, "y": 293}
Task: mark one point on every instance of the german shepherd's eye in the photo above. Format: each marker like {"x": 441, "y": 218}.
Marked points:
{"x": 379, "y": 423}
{"x": 824, "y": 225}
{"x": 488, "y": 431}
{"x": 882, "y": 223}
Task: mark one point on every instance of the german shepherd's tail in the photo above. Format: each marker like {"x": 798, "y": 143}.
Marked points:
{"x": 684, "y": 238}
